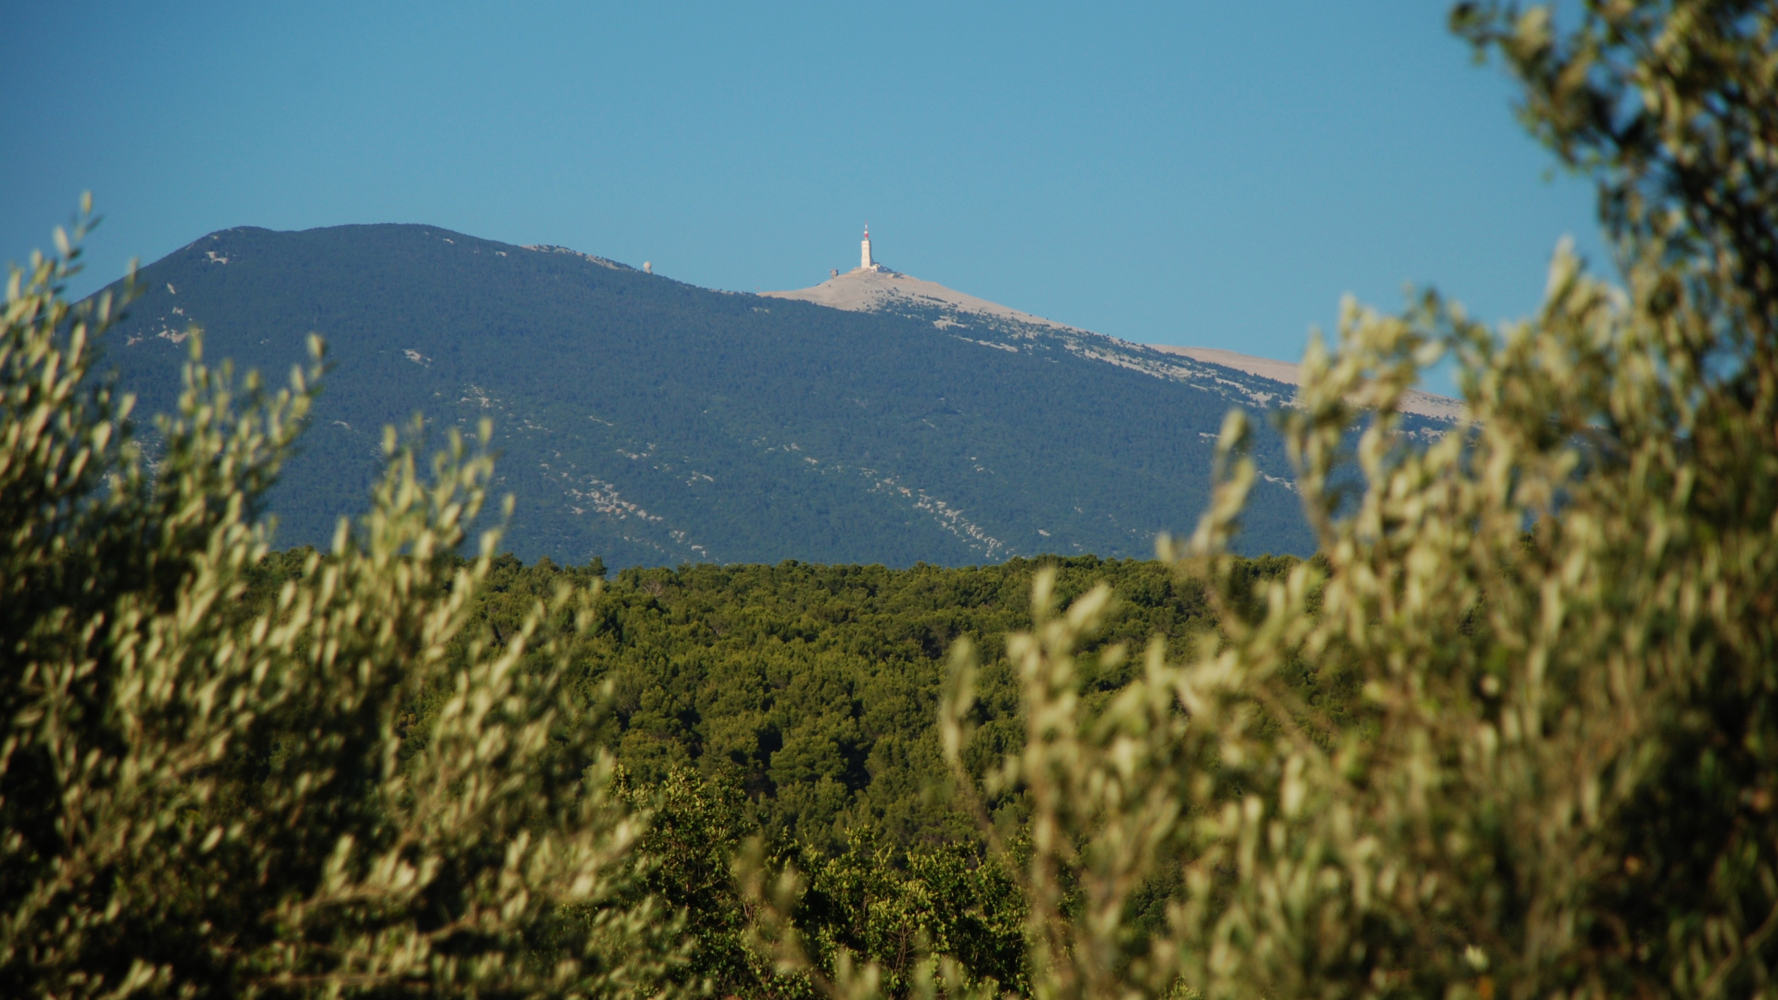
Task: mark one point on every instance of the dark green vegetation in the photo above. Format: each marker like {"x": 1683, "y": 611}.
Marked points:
{"x": 650, "y": 422}
{"x": 798, "y": 703}
{"x": 813, "y": 689}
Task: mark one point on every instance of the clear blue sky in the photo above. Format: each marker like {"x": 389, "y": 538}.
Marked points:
{"x": 1212, "y": 174}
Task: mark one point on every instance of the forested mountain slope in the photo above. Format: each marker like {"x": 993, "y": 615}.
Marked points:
{"x": 651, "y": 422}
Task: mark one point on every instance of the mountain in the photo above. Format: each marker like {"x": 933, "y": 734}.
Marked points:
{"x": 651, "y": 422}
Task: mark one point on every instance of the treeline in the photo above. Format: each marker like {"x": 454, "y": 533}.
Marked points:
{"x": 797, "y": 704}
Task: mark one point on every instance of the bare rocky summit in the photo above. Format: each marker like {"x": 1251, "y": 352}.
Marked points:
{"x": 880, "y": 289}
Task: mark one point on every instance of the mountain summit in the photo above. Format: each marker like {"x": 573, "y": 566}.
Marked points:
{"x": 872, "y": 287}
{"x": 879, "y": 289}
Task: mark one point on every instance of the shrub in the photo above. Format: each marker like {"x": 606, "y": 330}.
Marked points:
{"x": 1561, "y": 614}
{"x": 198, "y": 800}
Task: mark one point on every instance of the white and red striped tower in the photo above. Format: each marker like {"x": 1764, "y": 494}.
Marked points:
{"x": 864, "y": 259}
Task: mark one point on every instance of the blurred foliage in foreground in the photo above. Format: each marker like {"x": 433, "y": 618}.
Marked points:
{"x": 1511, "y": 734}
{"x": 1563, "y": 616}
{"x": 198, "y": 797}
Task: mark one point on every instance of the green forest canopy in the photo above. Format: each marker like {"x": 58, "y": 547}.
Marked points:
{"x": 798, "y": 703}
